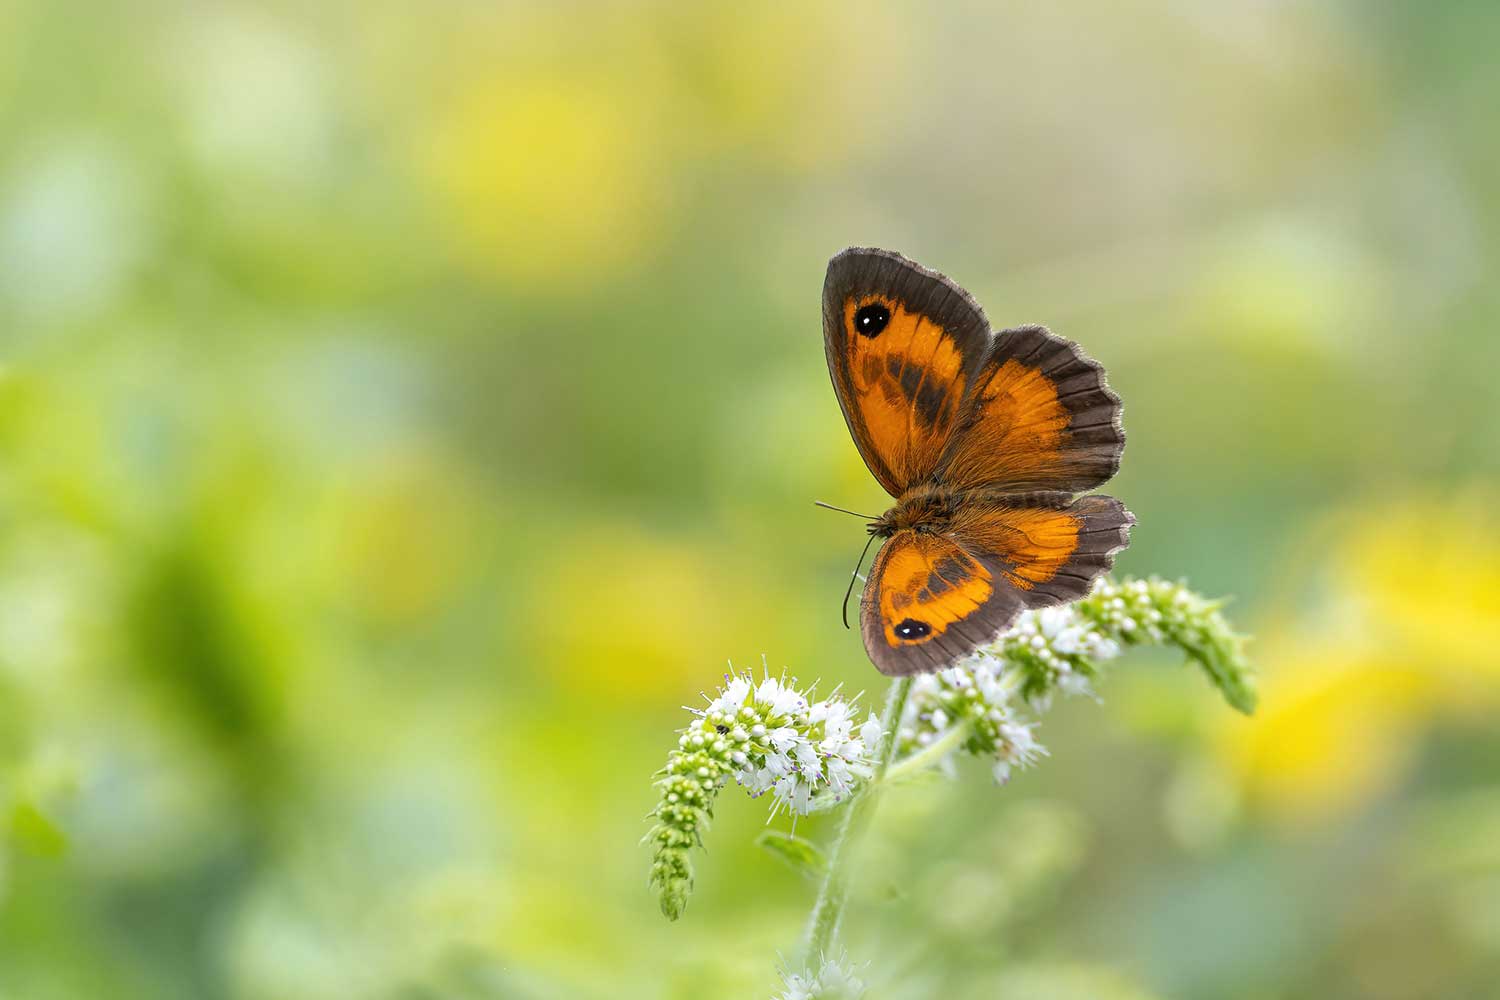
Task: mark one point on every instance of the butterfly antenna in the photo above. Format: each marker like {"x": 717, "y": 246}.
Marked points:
{"x": 841, "y": 510}
{"x": 855, "y": 576}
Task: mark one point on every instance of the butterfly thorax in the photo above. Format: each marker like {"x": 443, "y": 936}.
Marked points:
{"x": 927, "y": 508}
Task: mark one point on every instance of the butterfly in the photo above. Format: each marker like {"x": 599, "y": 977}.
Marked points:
{"x": 983, "y": 439}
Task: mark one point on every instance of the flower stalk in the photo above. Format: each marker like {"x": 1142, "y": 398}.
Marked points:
{"x": 828, "y": 910}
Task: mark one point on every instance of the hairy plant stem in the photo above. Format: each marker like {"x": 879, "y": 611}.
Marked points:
{"x": 929, "y": 756}
{"x": 828, "y": 910}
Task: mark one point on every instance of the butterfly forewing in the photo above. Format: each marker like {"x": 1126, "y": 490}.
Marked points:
{"x": 904, "y": 344}
{"x": 1039, "y": 417}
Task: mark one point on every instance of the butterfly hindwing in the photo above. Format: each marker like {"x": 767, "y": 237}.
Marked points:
{"x": 932, "y": 598}
{"x": 1039, "y": 417}
{"x": 1047, "y": 546}
{"x": 903, "y": 344}
{"x": 927, "y": 602}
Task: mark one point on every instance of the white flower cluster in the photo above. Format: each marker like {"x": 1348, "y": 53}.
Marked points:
{"x": 974, "y": 706}
{"x": 770, "y": 737}
{"x": 1134, "y": 608}
{"x": 1054, "y": 649}
{"x": 1160, "y": 612}
{"x": 979, "y": 701}
{"x": 973, "y": 702}
{"x": 834, "y": 980}
{"x": 781, "y": 743}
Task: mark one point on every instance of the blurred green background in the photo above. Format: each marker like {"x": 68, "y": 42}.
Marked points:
{"x": 403, "y": 412}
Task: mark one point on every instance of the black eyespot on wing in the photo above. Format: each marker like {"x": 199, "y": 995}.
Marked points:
{"x": 871, "y": 319}
{"x": 910, "y": 628}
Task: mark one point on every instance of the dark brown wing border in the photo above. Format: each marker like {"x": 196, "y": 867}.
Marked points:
{"x": 863, "y": 271}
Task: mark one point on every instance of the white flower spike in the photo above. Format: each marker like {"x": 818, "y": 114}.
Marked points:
{"x": 769, "y": 737}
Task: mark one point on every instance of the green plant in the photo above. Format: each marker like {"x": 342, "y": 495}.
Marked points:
{"x": 772, "y": 738}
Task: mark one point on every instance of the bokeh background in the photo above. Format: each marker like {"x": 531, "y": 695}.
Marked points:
{"x": 403, "y": 412}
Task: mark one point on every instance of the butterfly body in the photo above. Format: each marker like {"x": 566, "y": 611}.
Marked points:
{"x": 982, "y": 439}
{"x": 925, "y": 507}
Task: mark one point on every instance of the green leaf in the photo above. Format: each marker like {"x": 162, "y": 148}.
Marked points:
{"x": 803, "y": 855}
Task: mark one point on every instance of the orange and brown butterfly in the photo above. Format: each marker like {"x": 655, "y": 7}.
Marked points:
{"x": 983, "y": 438}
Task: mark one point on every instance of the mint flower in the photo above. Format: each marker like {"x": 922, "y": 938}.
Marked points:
{"x": 834, "y": 980}
{"x": 1138, "y": 612}
{"x": 979, "y": 706}
{"x": 1062, "y": 649}
{"x": 968, "y": 708}
{"x": 771, "y": 738}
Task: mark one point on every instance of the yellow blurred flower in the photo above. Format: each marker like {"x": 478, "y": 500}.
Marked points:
{"x": 548, "y": 175}
{"x": 1428, "y": 572}
{"x": 791, "y": 87}
{"x": 1334, "y": 729}
{"x": 631, "y": 616}
{"x": 573, "y": 154}
{"x": 1409, "y": 636}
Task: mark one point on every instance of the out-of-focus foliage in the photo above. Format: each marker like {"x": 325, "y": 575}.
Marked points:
{"x": 403, "y": 412}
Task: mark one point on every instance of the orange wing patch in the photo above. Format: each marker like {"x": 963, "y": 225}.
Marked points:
{"x": 1049, "y": 548}
{"x": 1040, "y": 418}
{"x": 926, "y": 583}
{"x": 907, "y": 381}
{"x": 1032, "y": 543}
{"x": 1018, "y": 430}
